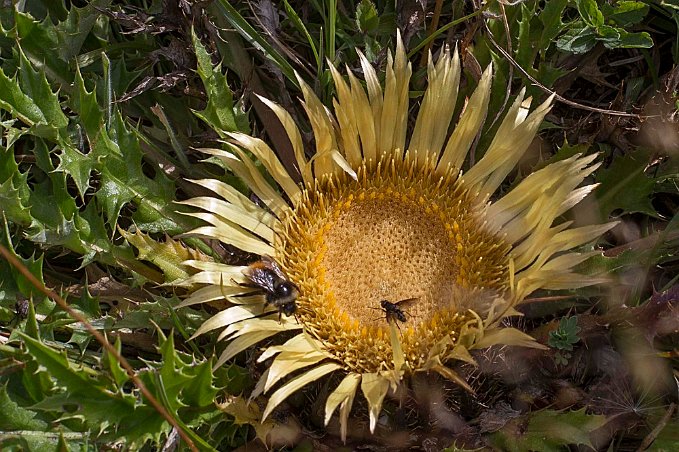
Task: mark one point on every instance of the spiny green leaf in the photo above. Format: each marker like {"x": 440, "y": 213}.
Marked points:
{"x": 185, "y": 382}
{"x": 13, "y": 280}
{"x": 97, "y": 405}
{"x": 75, "y": 164}
{"x": 31, "y": 328}
{"x": 170, "y": 379}
{"x": 119, "y": 375}
{"x": 52, "y": 206}
{"x": 15, "y": 417}
{"x": 72, "y": 32}
{"x": 123, "y": 181}
{"x": 88, "y": 306}
{"x": 551, "y": 22}
{"x": 219, "y": 113}
{"x": 90, "y": 113}
{"x": 38, "y": 384}
{"x": 35, "y": 86}
{"x": 94, "y": 236}
{"x": 40, "y": 42}
{"x": 200, "y": 392}
{"x": 172, "y": 375}
{"x": 549, "y": 74}
{"x": 625, "y": 186}
{"x": 142, "y": 425}
{"x": 524, "y": 48}
{"x": 168, "y": 256}
{"x": 600, "y": 263}
{"x": 57, "y": 365}
{"x": 54, "y": 217}
{"x": 120, "y": 77}
{"x": 14, "y": 191}
{"x": 143, "y": 315}
{"x": 17, "y": 103}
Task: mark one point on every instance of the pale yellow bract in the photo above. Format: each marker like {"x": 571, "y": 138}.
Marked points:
{"x": 376, "y": 220}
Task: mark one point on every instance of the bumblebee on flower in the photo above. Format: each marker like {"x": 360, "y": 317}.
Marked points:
{"x": 385, "y": 213}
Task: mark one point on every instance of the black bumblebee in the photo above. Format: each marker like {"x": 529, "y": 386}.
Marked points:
{"x": 393, "y": 312}
{"x": 280, "y": 292}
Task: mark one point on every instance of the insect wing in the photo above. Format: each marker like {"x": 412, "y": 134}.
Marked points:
{"x": 260, "y": 274}
{"x": 271, "y": 263}
{"x": 398, "y": 308}
{"x": 406, "y": 302}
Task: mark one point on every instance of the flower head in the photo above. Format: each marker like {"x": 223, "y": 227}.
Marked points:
{"x": 383, "y": 216}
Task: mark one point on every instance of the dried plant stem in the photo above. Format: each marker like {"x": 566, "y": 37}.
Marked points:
{"x": 510, "y": 76}
{"x": 434, "y": 24}
{"x": 558, "y": 97}
{"x": 101, "y": 339}
{"x": 646, "y": 443}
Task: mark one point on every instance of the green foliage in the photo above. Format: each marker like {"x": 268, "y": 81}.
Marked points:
{"x": 667, "y": 439}
{"x": 625, "y": 188}
{"x": 548, "y": 430}
{"x": 367, "y": 19}
{"x": 563, "y": 338}
{"x": 77, "y": 171}
{"x": 102, "y": 106}
{"x": 607, "y": 24}
{"x": 13, "y": 285}
{"x": 106, "y": 404}
{"x": 46, "y": 206}
{"x": 16, "y": 417}
{"x": 256, "y": 39}
{"x": 220, "y": 112}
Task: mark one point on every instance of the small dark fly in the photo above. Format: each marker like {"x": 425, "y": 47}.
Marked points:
{"x": 393, "y": 312}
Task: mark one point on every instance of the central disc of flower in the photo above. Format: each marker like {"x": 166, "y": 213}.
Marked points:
{"x": 398, "y": 234}
{"x": 383, "y": 247}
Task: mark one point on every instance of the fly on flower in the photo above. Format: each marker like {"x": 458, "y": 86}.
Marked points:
{"x": 393, "y": 312}
{"x": 384, "y": 209}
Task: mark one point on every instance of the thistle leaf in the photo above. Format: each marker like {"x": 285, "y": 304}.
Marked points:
{"x": 14, "y": 191}
{"x": 123, "y": 181}
{"x": 548, "y": 430}
{"x": 40, "y": 42}
{"x": 168, "y": 255}
{"x": 119, "y": 375}
{"x": 72, "y": 32}
{"x": 16, "y": 417}
{"x": 20, "y": 105}
{"x": 96, "y": 404}
{"x": 625, "y": 187}
{"x": 219, "y": 113}
{"x": 75, "y": 164}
